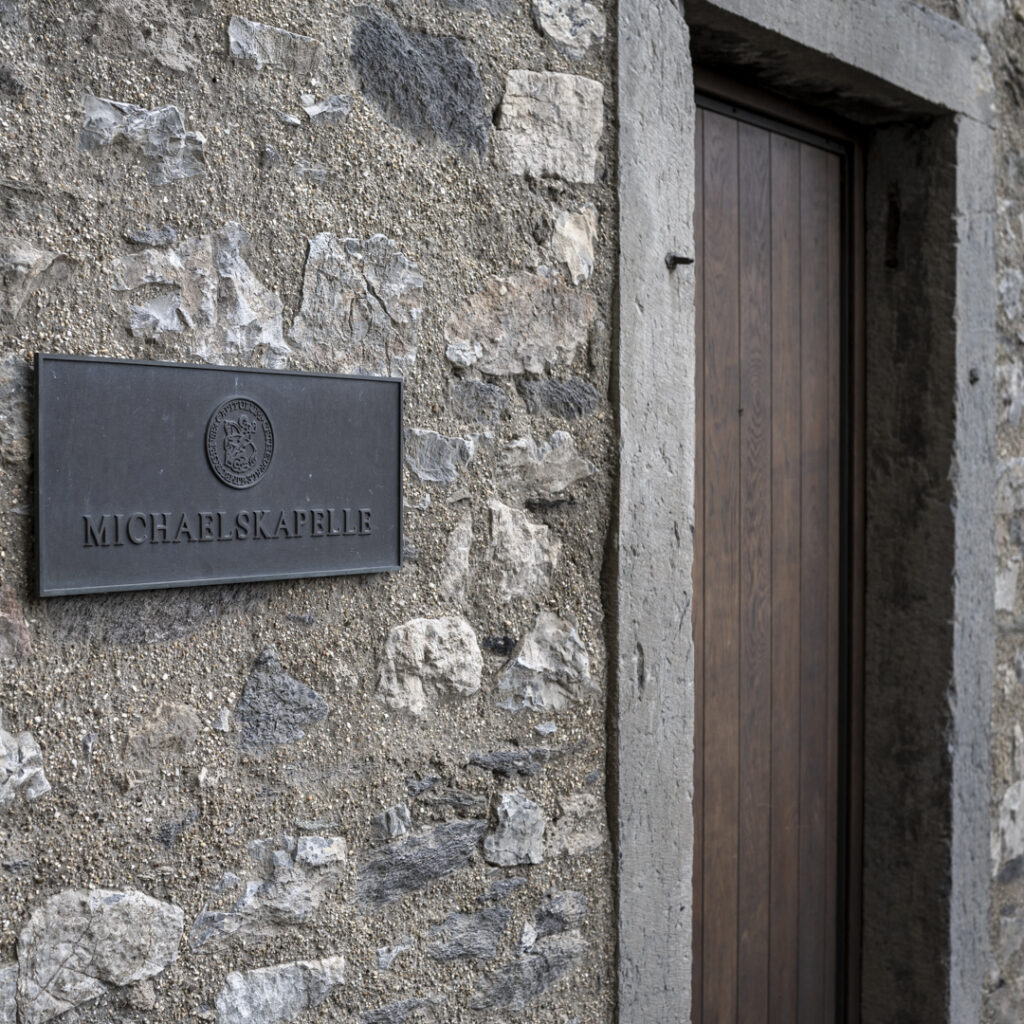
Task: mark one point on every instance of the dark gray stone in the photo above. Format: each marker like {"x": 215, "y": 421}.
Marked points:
{"x": 155, "y": 238}
{"x": 530, "y": 975}
{"x": 415, "y": 787}
{"x": 409, "y": 865}
{"x": 503, "y": 645}
{"x": 501, "y": 889}
{"x": 393, "y": 822}
{"x": 474, "y": 936}
{"x": 436, "y": 458}
{"x": 274, "y": 707}
{"x": 567, "y": 399}
{"x": 513, "y": 762}
{"x": 11, "y": 83}
{"x": 477, "y": 402}
{"x": 171, "y": 831}
{"x": 424, "y": 84}
{"x": 461, "y": 801}
{"x": 563, "y": 911}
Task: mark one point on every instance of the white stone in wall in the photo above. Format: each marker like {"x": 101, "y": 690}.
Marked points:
{"x": 169, "y": 152}
{"x": 572, "y": 25}
{"x": 1010, "y": 283}
{"x": 573, "y": 240}
{"x": 15, "y": 403}
{"x": 984, "y": 16}
{"x": 455, "y": 567}
{"x": 551, "y": 667}
{"x": 161, "y": 315}
{"x": 519, "y": 835}
{"x": 8, "y": 994}
{"x": 546, "y": 469}
{"x": 267, "y": 46}
{"x": 361, "y": 301}
{"x": 1010, "y": 388}
{"x": 24, "y": 268}
{"x": 292, "y": 880}
{"x": 1010, "y": 843}
{"x": 525, "y": 554}
{"x": 578, "y": 828}
{"x": 387, "y": 955}
{"x": 319, "y": 851}
{"x": 527, "y": 323}
{"x": 438, "y": 656}
{"x": 1006, "y": 585}
{"x": 332, "y": 111}
{"x": 1009, "y": 504}
{"x": 80, "y": 942}
{"x": 21, "y": 767}
{"x": 224, "y": 312}
{"x": 269, "y": 995}
{"x": 550, "y": 125}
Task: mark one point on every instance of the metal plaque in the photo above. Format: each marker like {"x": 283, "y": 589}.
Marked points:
{"x": 161, "y": 475}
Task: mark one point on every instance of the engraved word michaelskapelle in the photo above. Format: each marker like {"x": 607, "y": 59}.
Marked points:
{"x": 117, "y": 529}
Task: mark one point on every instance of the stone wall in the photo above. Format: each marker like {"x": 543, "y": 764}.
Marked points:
{"x": 1000, "y": 23}
{"x": 372, "y": 798}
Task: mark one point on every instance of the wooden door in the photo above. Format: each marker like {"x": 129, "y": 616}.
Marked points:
{"x": 768, "y": 573}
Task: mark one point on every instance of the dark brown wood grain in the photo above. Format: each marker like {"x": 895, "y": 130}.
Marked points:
{"x": 697, "y": 988}
{"x": 836, "y": 720}
{"x": 785, "y": 724}
{"x": 721, "y": 557}
{"x": 770, "y": 896}
{"x": 755, "y": 572}
{"x": 814, "y": 672}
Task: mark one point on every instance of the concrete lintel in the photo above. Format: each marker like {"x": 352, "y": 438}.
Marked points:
{"x": 885, "y": 48}
{"x": 653, "y": 631}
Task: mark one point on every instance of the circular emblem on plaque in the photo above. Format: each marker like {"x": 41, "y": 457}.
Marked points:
{"x": 239, "y": 442}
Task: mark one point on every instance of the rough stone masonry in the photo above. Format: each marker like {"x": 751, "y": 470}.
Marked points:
{"x": 374, "y": 798}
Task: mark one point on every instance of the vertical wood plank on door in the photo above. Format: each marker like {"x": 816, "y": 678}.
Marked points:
{"x": 814, "y": 669}
{"x": 755, "y": 572}
{"x": 786, "y": 605}
{"x": 833, "y": 714}
{"x": 721, "y": 550}
{"x": 696, "y": 986}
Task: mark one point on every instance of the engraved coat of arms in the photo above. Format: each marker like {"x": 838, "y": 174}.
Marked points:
{"x": 240, "y": 452}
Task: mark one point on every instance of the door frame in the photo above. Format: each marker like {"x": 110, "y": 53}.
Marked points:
{"x": 759, "y": 107}
{"x": 922, "y": 86}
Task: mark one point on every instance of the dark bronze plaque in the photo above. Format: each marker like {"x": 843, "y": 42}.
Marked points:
{"x": 159, "y": 475}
